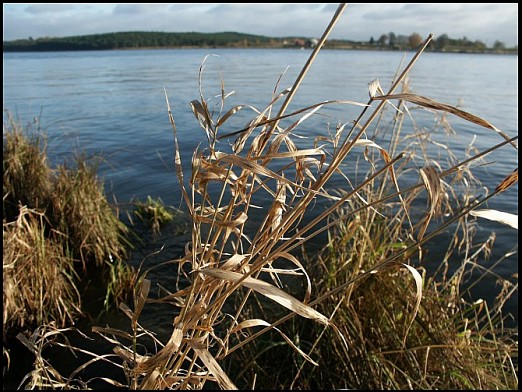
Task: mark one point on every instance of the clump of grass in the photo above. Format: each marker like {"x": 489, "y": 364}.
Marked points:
{"x": 58, "y": 226}
{"x": 80, "y": 210}
{"x": 154, "y": 213}
{"x": 25, "y": 170}
{"x": 39, "y": 278}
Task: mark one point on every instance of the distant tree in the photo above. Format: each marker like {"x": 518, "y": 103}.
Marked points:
{"x": 442, "y": 42}
{"x": 392, "y": 39}
{"x": 499, "y": 45}
{"x": 383, "y": 39}
{"x": 479, "y": 45}
{"x": 372, "y": 41}
{"x": 415, "y": 40}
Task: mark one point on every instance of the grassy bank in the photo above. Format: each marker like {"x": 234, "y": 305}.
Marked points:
{"x": 254, "y": 306}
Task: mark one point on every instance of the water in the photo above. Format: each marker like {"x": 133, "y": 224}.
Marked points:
{"x": 112, "y": 103}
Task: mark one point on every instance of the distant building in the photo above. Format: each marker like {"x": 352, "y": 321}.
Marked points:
{"x": 299, "y": 42}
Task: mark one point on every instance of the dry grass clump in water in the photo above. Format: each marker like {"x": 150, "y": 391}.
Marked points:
{"x": 56, "y": 226}
{"x": 39, "y": 279}
{"x": 227, "y": 257}
{"x": 25, "y": 170}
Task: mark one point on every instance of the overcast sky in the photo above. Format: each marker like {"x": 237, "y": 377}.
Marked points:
{"x": 479, "y": 21}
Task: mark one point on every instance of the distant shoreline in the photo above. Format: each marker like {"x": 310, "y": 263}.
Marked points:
{"x": 230, "y": 40}
{"x": 506, "y": 52}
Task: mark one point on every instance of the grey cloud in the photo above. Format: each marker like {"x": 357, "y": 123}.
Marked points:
{"x": 139, "y": 9}
{"x": 48, "y": 8}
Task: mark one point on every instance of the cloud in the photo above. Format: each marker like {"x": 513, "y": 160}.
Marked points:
{"x": 37, "y": 9}
{"x": 139, "y": 9}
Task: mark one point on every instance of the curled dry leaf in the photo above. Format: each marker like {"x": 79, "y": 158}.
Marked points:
{"x": 268, "y": 291}
{"x": 497, "y": 216}
{"x": 418, "y": 284}
{"x": 212, "y": 365}
{"x": 374, "y": 87}
{"x": 433, "y": 186}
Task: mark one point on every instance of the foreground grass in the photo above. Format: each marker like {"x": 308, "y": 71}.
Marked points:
{"x": 450, "y": 343}
{"x": 253, "y": 311}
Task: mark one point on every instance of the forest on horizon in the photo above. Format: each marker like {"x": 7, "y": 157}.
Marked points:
{"x": 159, "y": 40}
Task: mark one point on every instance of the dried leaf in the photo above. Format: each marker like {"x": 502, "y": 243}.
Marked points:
{"x": 374, "y": 87}
{"x": 433, "y": 186}
{"x": 268, "y": 291}
{"x": 234, "y": 261}
{"x": 144, "y": 293}
{"x": 212, "y": 365}
{"x": 177, "y": 159}
{"x": 497, "y": 216}
{"x": 432, "y": 104}
{"x": 229, "y": 113}
{"x": 165, "y": 353}
{"x": 418, "y": 283}
{"x": 204, "y": 119}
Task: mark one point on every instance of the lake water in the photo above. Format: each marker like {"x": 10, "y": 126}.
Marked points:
{"x": 112, "y": 103}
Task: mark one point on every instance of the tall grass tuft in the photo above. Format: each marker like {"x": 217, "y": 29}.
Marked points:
{"x": 58, "y": 227}
{"x": 80, "y": 209}
{"x": 25, "y": 170}
{"x": 39, "y": 278}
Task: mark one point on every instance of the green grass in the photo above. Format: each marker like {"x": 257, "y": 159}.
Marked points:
{"x": 154, "y": 213}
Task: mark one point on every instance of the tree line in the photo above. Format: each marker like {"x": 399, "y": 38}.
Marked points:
{"x": 441, "y": 43}
{"x": 137, "y": 39}
{"x": 140, "y": 39}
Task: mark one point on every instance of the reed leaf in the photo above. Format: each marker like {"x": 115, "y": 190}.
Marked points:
{"x": 497, "y": 216}
{"x": 269, "y": 291}
{"x": 432, "y": 104}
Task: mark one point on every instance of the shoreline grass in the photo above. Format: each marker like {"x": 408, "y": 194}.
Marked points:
{"x": 58, "y": 228}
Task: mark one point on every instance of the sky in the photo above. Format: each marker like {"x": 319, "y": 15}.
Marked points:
{"x": 487, "y": 22}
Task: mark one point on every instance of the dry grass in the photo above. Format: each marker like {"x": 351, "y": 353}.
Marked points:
{"x": 32, "y": 260}
{"x": 80, "y": 210}
{"x": 25, "y": 170}
{"x": 55, "y": 222}
{"x": 367, "y": 309}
